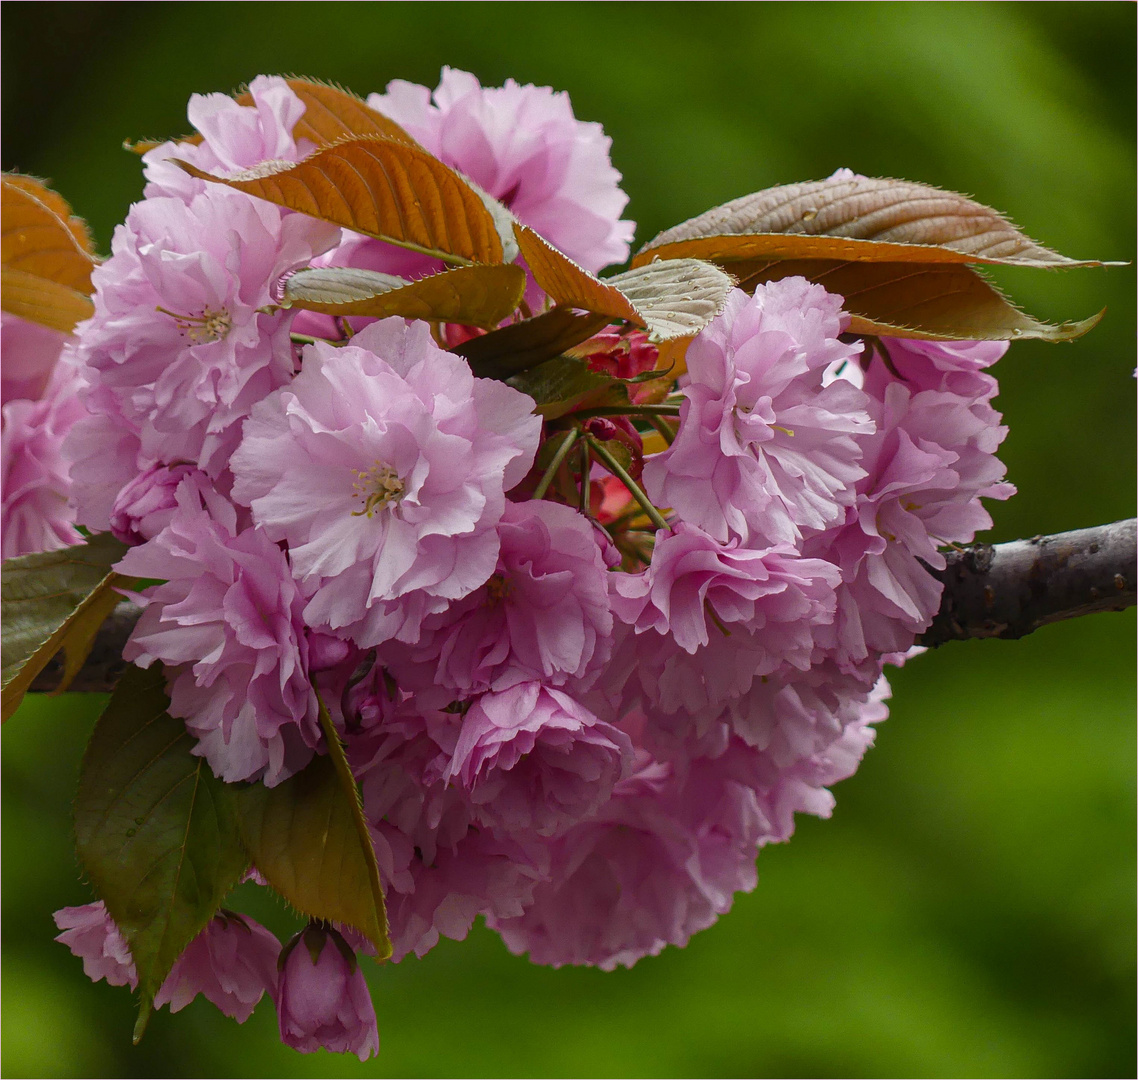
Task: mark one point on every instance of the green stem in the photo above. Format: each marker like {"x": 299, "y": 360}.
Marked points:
{"x": 630, "y": 410}
{"x": 634, "y": 488}
{"x": 585, "y": 463}
{"x": 662, "y": 426}
{"x": 571, "y": 437}
{"x": 305, "y": 339}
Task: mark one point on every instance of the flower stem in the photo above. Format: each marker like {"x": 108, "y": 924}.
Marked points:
{"x": 631, "y": 410}
{"x": 571, "y": 437}
{"x": 634, "y": 488}
{"x": 585, "y": 483}
{"x": 664, "y": 428}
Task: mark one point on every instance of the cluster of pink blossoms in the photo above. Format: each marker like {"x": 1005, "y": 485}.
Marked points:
{"x": 572, "y": 724}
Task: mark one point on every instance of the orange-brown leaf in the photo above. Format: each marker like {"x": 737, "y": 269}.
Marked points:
{"x": 45, "y": 254}
{"x": 57, "y": 204}
{"x": 524, "y": 345}
{"x": 936, "y": 301}
{"x": 384, "y": 188}
{"x": 855, "y": 218}
{"x": 471, "y": 295}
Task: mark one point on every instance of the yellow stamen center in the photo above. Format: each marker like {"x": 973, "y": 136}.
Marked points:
{"x": 208, "y": 325}
{"x": 378, "y": 486}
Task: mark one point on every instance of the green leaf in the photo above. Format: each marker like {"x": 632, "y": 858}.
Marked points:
{"x": 561, "y": 385}
{"x": 471, "y": 295}
{"x": 52, "y": 601}
{"x": 155, "y": 830}
{"x": 308, "y": 837}
{"x": 516, "y": 348}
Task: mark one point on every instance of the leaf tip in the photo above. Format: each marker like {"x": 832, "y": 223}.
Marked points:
{"x": 145, "y": 1008}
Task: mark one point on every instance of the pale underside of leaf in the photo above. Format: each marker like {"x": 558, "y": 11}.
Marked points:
{"x": 384, "y": 188}
{"x": 471, "y": 295}
{"x": 309, "y": 839}
{"x": 944, "y": 301}
{"x": 156, "y": 832}
{"x": 54, "y": 600}
{"x": 521, "y": 346}
{"x": 927, "y": 224}
{"x": 668, "y": 299}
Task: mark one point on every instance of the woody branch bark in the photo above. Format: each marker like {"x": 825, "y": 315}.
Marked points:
{"x": 991, "y": 590}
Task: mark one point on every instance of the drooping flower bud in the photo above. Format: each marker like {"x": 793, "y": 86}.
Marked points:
{"x": 322, "y": 998}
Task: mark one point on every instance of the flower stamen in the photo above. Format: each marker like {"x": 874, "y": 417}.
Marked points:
{"x": 378, "y": 486}
{"x": 210, "y": 324}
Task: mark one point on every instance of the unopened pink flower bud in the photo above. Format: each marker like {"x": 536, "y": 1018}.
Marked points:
{"x": 322, "y": 998}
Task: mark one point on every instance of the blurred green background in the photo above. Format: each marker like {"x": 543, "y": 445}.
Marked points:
{"x": 968, "y": 911}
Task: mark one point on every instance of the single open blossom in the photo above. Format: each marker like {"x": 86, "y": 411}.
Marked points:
{"x": 543, "y": 614}
{"x": 524, "y": 146}
{"x": 384, "y": 466}
{"x": 533, "y": 759}
{"x": 227, "y": 625}
{"x": 929, "y": 463}
{"x": 177, "y": 340}
{"x": 322, "y": 998}
{"x": 235, "y": 137}
{"x": 763, "y": 449}
{"x": 91, "y": 934}
{"x": 36, "y": 482}
{"x": 232, "y": 963}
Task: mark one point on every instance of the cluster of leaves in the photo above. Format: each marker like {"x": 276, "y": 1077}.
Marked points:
{"x": 162, "y": 839}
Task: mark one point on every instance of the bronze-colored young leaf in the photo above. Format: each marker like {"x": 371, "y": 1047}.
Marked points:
{"x": 937, "y": 301}
{"x": 524, "y": 345}
{"x": 42, "y": 301}
{"x": 564, "y": 384}
{"x": 155, "y": 831}
{"x": 51, "y": 601}
{"x": 58, "y": 205}
{"x": 309, "y": 839}
{"x": 854, "y": 218}
{"x": 668, "y": 299}
{"x": 331, "y": 113}
{"x": 45, "y": 256}
{"x": 384, "y": 188}
{"x": 471, "y": 295}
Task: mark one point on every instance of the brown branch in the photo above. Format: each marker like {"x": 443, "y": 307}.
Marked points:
{"x": 1000, "y": 590}
{"x": 1009, "y": 590}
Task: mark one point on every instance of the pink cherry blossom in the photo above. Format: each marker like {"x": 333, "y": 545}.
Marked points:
{"x": 36, "y": 483}
{"x": 763, "y": 449}
{"x": 232, "y": 963}
{"x": 661, "y": 861}
{"x": 524, "y": 146}
{"x": 91, "y": 934}
{"x": 178, "y": 342}
{"x": 544, "y": 613}
{"x": 384, "y": 466}
{"x": 146, "y": 505}
{"x": 234, "y": 138}
{"x": 322, "y": 999}
{"x": 227, "y": 625}
{"x": 533, "y": 759}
